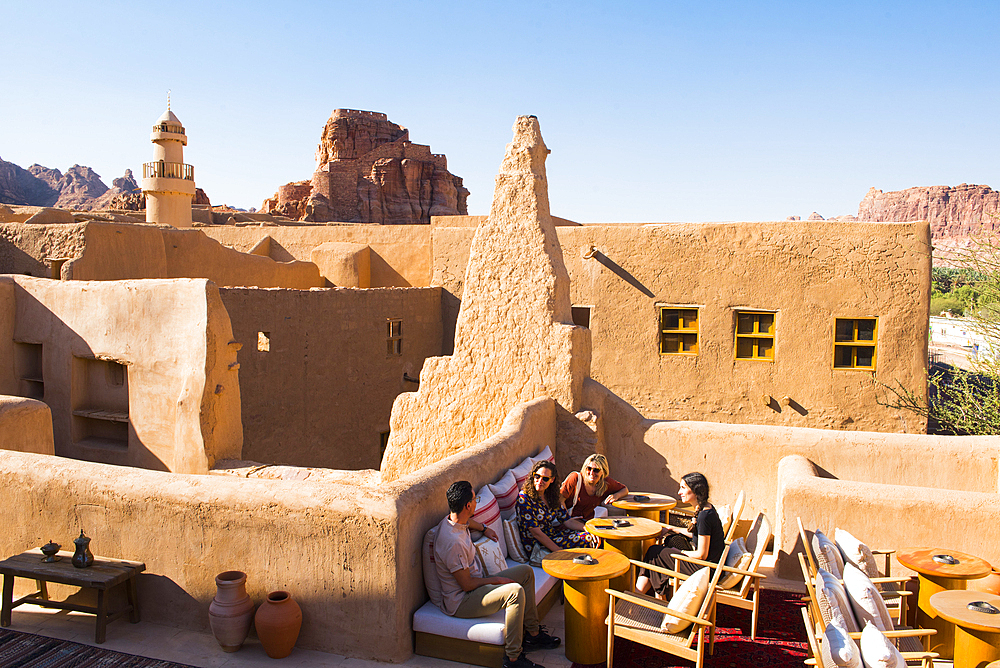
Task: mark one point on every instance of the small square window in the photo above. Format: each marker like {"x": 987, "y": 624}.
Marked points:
{"x": 855, "y": 343}
{"x": 581, "y": 316}
{"x": 263, "y": 342}
{"x": 755, "y": 335}
{"x": 678, "y": 331}
{"x": 394, "y": 336}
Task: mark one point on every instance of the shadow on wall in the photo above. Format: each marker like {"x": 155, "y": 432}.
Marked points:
{"x": 622, "y": 273}
{"x": 383, "y": 275}
{"x": 13, "y": 260}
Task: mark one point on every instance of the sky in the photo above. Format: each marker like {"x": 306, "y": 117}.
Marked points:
{"x": 654, "y": 111}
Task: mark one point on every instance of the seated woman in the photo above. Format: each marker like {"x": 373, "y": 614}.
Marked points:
{"x": 541, "y": 516}
{"x": 705, "y": 539}
{"x": 590, "y": 487}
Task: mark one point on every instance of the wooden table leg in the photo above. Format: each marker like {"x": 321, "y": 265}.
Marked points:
{"x": 974, "y": 649}
{"x": 8, "y": 600}
{"x": 927, "y": 618}
{"x": 631, "y": 549}
{"x": 649, "y": 542}
{"x": 133, "y": 600}
{"x": 585, "y": 611}
{"x": 43, "y": 589}
{"x": 102, "y": 616}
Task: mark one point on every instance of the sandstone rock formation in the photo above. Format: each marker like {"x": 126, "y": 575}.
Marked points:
{"x": 955, "y": 214}
{"x": 19, "y": 186}
{"x": 78, "y": 188}
{"x": 514, "y": 340}
{"x": 368, "y": 171}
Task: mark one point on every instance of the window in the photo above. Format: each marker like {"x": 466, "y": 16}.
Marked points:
{"x": 854, "y": 343}
{"x": 394, "y": 336}
{"x": 263, "y": 342}
{"x": 678, "y": 331}
{"x": 754, "y": 335}
{"x": 581, "y": 316}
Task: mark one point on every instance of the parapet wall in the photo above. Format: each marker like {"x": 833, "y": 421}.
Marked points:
{"x": 25, "y": 426}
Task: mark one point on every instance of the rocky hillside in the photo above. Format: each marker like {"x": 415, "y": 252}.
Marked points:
{"x": 79, "y": 188}
{"x": 368, "y": 171}
{"x": 955, "y": 213}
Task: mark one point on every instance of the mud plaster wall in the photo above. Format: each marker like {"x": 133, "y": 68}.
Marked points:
{"x": 8, "y": 382}
{"x": 24, "y": 247}
{"x": 173, "y": 337}
{"x": 400, "y": 257}
{"x": 347, "y": 550}
{"x": 809, "y": 272}
{"x": 25, "y": 426}
{"x": 908, "y": 514}
{"x": 323, "y": 391}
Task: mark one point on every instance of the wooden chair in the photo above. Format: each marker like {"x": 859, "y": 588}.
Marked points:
{"x": 637, "y": 617}
{"x": 894, "y": 594}
{"x": 737, "y": 510}
{"x": 745, "y": 595}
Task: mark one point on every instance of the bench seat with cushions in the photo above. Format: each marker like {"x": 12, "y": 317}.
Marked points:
{"x": 479, "y": 641}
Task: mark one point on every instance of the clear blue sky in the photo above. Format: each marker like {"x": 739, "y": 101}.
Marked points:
{"x": 654, "y": 111}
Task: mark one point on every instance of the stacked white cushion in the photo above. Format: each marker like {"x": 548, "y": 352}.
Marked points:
{"x": 838, "y": 649}
{"x": 688, "y": 599}
{"x": 866, "y": 600}
{"x": 877, "y": 651}
{"x": 738, "y": 557}
{"x": 521, "y": 472}
{"x": 834, "y": 605}
{"x": 857, "y": 553}
{"x": 505, "y": 490}
{"x": 488, "y": 513}
{"x": 827, "y": 554}
{"x": 431, "y": 580}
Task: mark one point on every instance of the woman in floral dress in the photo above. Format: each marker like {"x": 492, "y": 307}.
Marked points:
{"x": 541, "y": 516}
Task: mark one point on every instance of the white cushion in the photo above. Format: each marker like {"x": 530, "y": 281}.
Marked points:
{"x": 838, "y": 649}
{"x": 725, "y": 516}
{"x": 545, "y": 454}
{"x": 488, "y": 513}
{"x": 505, "y": 490}
{"x": 688, "y": 600}
{"x": 827, "y": 554}
{"x": 431, "y": 579}
{"x": 857, "y": 553}
{"x": 738, "y": 557}
{"x": 877, "y": 651}
{"x": 865, "y": 599}
{"x": 430, "y": 619}
{"x": 490, "y": 557}
{"x": 515, "y": 551}
{"x": 834, "y": 605}
{"x": 521, "y": 472}
{"x": 599, "y": 512}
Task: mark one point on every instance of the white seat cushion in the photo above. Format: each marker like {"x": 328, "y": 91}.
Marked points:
{"x": 857, "y": 553}
{"x": 838, "y": 650}
{"x": 827, "y": 555}
{"x": 834, "y": 604}
{"x": 866, "y": 600}
{"x": 877, "y": 651}
{"x": 738, "y": 557}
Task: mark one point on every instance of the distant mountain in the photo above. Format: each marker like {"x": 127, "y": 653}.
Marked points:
{"x": 79, "y": 188}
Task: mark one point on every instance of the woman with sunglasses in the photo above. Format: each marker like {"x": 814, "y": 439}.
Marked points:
{"x": 541, "y": 515}
{"x": 590, "y": 487}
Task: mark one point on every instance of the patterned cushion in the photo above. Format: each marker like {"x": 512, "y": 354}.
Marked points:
{"x": 515, "y": 550}
{"x": 505, "y": 490}
{"x": 866, "y": 600}
{"x": 877, "y": 651}
{"x": 488, "y": 512}
{"x": 834, "y": 606}
{"x": 688, "y": 600}
{"x": 738, "y": 557}
{"x": 489, "y": 555}
{"x": 857, "y": 553}
{"x": 838, "y": 649}
{"x": 431, "y": 580}
{"x": 521, "y": 472}
{"x": 827, "y": 555}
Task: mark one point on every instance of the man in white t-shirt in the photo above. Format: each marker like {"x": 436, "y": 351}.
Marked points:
{"x": 465, "y": 593}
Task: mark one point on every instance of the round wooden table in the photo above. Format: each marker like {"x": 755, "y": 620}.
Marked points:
{"x": 648, "y": 509}
{"x": 977, "y": 634}
{"x": 935, "y": 577}
{"x": 625, "y": 540}
{"x": 586, "y": 601}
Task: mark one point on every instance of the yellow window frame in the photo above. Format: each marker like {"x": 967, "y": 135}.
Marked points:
{"x": 848, "y": 344}
{"x": 678, "y": 330}
{"x": 394, "y": 336}
{"x": 757, "y": 339}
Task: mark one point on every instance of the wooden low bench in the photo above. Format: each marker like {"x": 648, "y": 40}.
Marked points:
{"x": 103, "y": 575}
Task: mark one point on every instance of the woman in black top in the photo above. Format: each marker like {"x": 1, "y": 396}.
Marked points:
{"x": 705, "y": 540}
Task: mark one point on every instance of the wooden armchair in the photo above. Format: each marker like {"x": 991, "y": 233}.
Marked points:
{"x": 814, "y": 633}
{"x": 637, "y": 617}
{"x": 746, "y": 593}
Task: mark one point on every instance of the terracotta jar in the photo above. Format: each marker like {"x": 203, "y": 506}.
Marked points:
{"x": 990, "y": 583}
{"x": 231, "y": 611}
{"x": 278, "y": 622}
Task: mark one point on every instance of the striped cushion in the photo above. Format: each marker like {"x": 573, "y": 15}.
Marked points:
{"x": 431, "y": 579}
{"x": 545, "y": 454}
{"x": 521, "y": 471}
{"x": 505, "y": 490}
{"x": 828, "y": 555}
{"x": 488, "y": 513}
{"x": 834, "y": 606}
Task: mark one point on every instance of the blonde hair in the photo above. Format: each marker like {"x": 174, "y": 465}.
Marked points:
{"x": 601, "y": 462}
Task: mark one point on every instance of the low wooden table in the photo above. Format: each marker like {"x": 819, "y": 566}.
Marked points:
{"x": 103, "y": 575}
{"x": 625, "y": 540}
{"x": 586, "y": 602}
{"x": 935, "y": 577}
{"x": 649, "y": 509}
{"x": 977, "y": 634}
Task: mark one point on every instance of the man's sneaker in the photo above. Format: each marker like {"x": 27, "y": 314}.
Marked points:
{"x": 520, "y": 662}
{"x": 541, "y": 640}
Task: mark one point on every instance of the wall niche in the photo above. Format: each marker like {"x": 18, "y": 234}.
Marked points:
{"x": 100, "y": 404}
{"x": 28, "y": 369}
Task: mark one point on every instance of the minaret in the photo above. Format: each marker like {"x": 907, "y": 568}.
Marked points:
{"x": 167, "y": 182}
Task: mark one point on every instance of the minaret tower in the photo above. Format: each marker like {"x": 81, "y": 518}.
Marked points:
{"x": 167, "y": 182}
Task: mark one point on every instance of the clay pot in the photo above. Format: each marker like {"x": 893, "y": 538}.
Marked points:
{"x": 990, "y": 583}
{"x": 231, "y": 611}
{"x": 278, "y": 622}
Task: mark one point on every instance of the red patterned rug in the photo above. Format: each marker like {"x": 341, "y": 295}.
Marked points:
{"x": 781, "y": 639}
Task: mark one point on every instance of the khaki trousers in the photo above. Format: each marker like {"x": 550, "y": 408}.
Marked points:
{"x": 518, "y": 598}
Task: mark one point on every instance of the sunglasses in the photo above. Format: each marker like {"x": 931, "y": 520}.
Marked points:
{"x": 591, "y": 469}
{"x": 543, "y": 478}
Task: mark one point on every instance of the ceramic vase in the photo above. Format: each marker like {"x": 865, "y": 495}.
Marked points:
{"x": 278, "y": 621}
{"x": 990, "y": 583}
{"x": 231, "y": 611}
